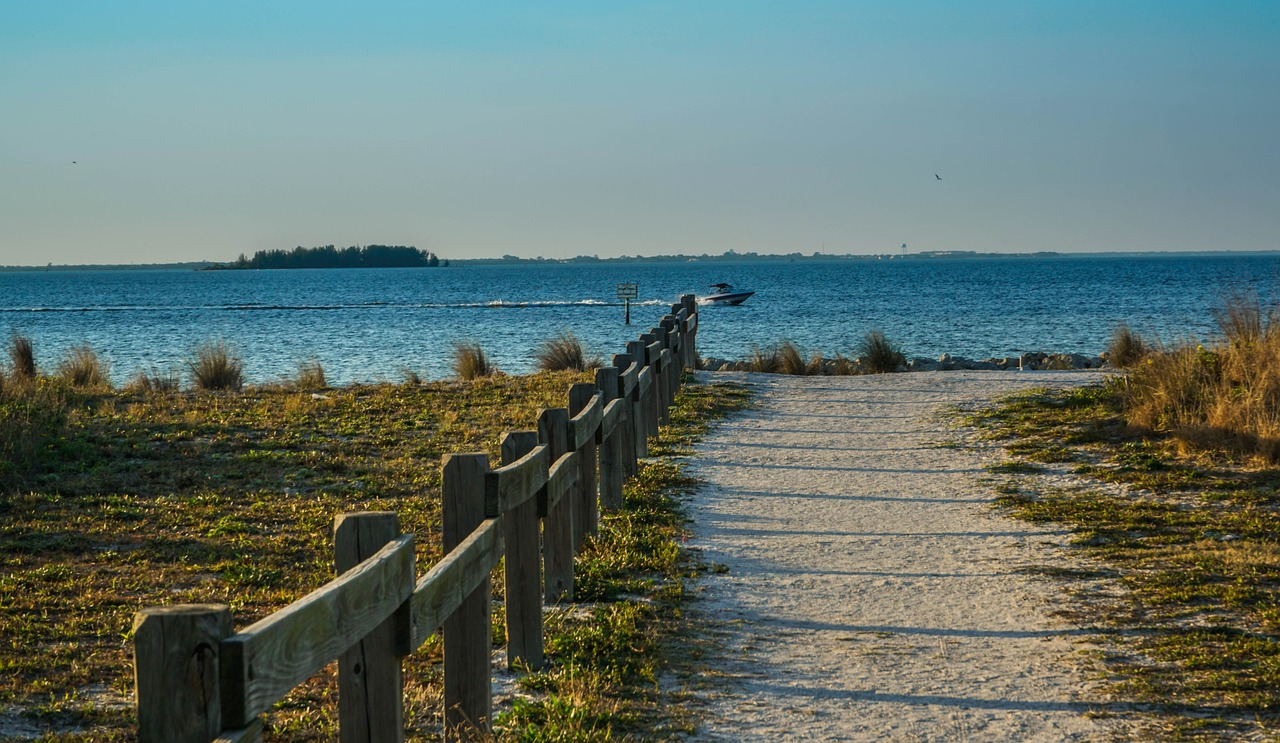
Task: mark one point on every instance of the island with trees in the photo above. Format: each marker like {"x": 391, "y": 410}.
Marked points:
{"x": 327, "y": 256}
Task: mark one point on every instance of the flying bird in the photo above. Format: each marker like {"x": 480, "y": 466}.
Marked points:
{"x": 935, "y": 175}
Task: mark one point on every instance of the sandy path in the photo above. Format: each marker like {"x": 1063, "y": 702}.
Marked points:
{"x": 871, "y": 592}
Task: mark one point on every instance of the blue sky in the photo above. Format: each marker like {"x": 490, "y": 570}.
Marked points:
{"x": 203, "y": 130}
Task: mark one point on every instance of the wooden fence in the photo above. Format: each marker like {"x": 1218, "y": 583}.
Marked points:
{"x": 199, "y": 680}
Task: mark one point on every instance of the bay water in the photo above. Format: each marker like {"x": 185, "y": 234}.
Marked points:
{"x": 374, "y": 324}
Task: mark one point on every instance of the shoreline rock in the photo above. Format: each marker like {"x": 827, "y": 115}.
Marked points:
{"x": 946, "y": 362}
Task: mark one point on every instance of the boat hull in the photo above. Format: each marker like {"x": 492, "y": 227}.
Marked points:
{"x": 728, "y": 298}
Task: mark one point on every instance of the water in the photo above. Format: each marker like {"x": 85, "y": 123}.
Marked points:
{"x": 369, "y": 325}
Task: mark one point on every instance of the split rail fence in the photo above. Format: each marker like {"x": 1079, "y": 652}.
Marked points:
{"x": 199, "y": 680}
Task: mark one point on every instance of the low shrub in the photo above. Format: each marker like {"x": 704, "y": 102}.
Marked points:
{"x": 470, "y": 361}
{"x": 213, "y": 366}
{"x": 565, "y": 353}
{"x": 879, "y": 354}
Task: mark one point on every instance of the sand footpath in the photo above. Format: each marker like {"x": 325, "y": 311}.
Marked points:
{"x": 868, "y": 590}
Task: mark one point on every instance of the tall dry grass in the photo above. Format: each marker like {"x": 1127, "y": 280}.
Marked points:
{"x": 214, "y": 366}
{"x": 1223, "y": 394}
{"x": 470, "y": 361}
{"x": 1126, "y": 347}
{"x": 82, "y": 368}
{"x": 22, "y": 357}
{"x": 564, "y": 353}
{"x": 879, "y": 354}
{"x": 310, "y": 376}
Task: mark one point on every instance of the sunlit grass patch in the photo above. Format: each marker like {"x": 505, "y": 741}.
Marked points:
{"x": 1188, "y": 545}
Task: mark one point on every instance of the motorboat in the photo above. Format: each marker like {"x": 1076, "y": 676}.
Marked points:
{"x": 724, "y": 294}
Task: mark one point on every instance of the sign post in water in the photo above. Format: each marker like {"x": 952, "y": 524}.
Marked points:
{"x": 628, "y": 292}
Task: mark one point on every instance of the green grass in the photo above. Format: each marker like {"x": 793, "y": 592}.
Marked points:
{"x": 602, "y": 681}
{"x": 1192, "y": 542}
{"x": 148, "y": 498}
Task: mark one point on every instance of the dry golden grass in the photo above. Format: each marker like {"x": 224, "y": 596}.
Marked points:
{"x": 1224, "y": 394}
{"x": 470, "y": 361}
{"x": 310, "y": 376}
{"x": 22, "y": 356}
{"x": 213, "y": 366}
{"x": 84, "y": 369}
{"x": 791, "y": 359}
{"x": 1126, "y": 347}
{"x": 565, "y": 352}
{"x": 879, "y": 354}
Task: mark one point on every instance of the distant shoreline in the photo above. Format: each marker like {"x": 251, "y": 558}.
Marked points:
{"x": 932, "y": 255}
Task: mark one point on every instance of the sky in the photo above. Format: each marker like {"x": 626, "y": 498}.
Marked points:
{"x": 143, "y": 132}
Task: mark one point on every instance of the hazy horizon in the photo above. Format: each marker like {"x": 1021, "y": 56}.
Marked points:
{"x": 158, "y": 133}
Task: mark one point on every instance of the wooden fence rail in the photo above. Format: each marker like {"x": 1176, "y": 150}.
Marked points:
{"x": 199, "y": 680}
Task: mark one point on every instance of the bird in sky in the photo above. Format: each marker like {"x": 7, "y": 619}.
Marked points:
{"x": 935, "y": 175}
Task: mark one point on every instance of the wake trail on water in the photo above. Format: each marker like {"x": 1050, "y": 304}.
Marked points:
{"x": 491, "y": 304}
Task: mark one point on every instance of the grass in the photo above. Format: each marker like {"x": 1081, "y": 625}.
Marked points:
{"x": 214, "y": 366}
{"x": 310, "y": 376}
{"x": 470, "y": 361}
{"x": 22, "y": 357}
{"x": 1126, "y": 347}
{"x": 82, "y": 368}
{"x": 879, "y": 354}
{"x": 32, "y": 413}
{"x": 1219, "y": 395}
{"x": 140, "y": 498}
{"x": 565, "y": 352}
{"x": 1188, "y": 592}
{"x": 605, "y": 663}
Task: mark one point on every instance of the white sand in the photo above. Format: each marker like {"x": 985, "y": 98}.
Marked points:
{"x": 872, "y": 593}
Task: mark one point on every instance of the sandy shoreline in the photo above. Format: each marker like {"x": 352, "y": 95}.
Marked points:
{"x": 868, "y": 591}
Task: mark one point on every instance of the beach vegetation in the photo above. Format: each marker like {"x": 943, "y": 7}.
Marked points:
{"x": 1179, "y": 544}
{"x": 214, "y": 366}
{"x": 82, "y": 368}
{"x": 470, "y": 361}
{"x": 154, "y": 379}
{"x": 1223, "y": 393}
{"x": 1126, "y": 347}
{"x": 33, "y": 413}
{"x": 22, "y": 357}
{"x": 410, "y": 376}
{"x": 230, "y": 499}
{"x": 565, "y": 352}
{"x": 791, "y": 359}
{"x": 764, "y": 359}
{"x": 880, "y": 355}
{"x": 310, "y": 376}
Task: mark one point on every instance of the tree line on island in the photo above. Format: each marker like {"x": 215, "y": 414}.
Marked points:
{"x": 327, "y": 256}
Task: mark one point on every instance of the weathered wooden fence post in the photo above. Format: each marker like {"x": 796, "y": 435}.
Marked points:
{"x": 467, "y": 686}
{"x": 657, "y": 397}
{"x": 582, "y": 431}
{"x": 628, "y": 389}
{"x": 370, "y": 685}
{"x": 175, "y": 664}
{"x": 612, "y": 469}
{"x": 523, "y": 567}
{"x": 557, "y": 526}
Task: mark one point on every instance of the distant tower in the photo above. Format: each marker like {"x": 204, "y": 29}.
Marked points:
{"x": 904, "y": 247}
